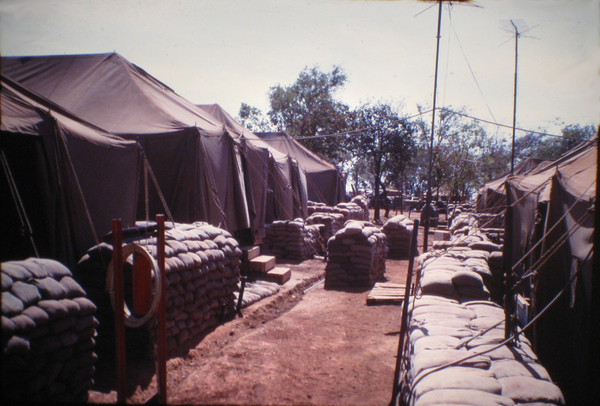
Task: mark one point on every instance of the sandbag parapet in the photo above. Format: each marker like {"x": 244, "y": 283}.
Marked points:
{"x": 292, "y": 239}
{"x": 332, "y": 223}
{"x": 398, "y": 231}
{"x": 457, "y": 356}
{"x": 356, "y": 256}
{"x": 48, "y": 330}
{"x": 202, "y": 265}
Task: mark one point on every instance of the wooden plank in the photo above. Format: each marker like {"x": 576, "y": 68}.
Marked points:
{"x": 250, "y": 252}
{"x": 262, "y": 263}
{"x": 386, "y": 293}
{"x": 278, "y": 274}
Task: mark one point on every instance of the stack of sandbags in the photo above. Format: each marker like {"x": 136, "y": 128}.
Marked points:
{"x": 462, "y": 223}
{"x": 459, "y": 274}
{"x": 332, "y": 222}
{"x": 255, "y": 291}
{"x": 314, "y": 207}
{"x": 363, "y": 202}
{"x": 351, "y": 211}
{"x": 484, "y": 370}
{"x": 356, "y": 256}
{"x": 290, "y": 239}
{"x": 48, "y": 329}
{"x": 202, "y": 269}
{"x": 398, "y": 231}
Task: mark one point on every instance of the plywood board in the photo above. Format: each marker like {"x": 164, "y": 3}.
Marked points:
{"x": 386, "y": 293}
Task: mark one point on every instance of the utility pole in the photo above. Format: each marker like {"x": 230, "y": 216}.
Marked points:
{"x": 427, "y": 211}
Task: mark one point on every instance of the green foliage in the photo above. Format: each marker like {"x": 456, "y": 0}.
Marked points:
{"x": 464, "y": 156}
{"x": 253, "y": 119}
{"x": 380, "y": 149}
{"x": 308, "y": 108}
{"x": 548, "y": 147}
{"x": 384, "y": 144}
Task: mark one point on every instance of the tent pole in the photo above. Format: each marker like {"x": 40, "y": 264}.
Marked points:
{"x": 18, "y": 202}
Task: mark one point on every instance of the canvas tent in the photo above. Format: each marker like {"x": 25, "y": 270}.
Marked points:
{"x": 63, "y": 179}
{"x": 269, "y": 171}
{"x": 195, "y": 160}
{"x": 325, "y": 184}
{"x": 491, "y": 197}
{"x": 552, "y": 233}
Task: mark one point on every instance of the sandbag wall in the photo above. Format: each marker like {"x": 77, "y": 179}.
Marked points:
{"x": 48, "y": 330}
{"x": 202, "y": 270}
{"x": 467, "y": 235}
{"x": 355, "y": 210}
{"x": 398, "y": 231}
{"x": 456, "y": 357}
{"x": 363, "y": 203}
{"x": 331, "y": 223}
{"x": 455, "y": 351}
{"x": 458, "y": 273}
{"x": 356, "y": 256}
{"x": 292, "y": 239}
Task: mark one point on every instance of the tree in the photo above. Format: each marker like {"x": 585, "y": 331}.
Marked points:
{"x": 464, "y": 156}
{"x": 253, "y": 119}
{"x": 384, "y": 142}
{"x": 551, "y": 147}
{"x": 308, "y": 108}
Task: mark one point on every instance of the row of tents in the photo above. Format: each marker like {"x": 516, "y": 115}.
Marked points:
{"x": 550, "y": 219}
{"x": 89, "y": 138}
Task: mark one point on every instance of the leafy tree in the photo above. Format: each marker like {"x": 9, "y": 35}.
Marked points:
{"x": 549, "y": 147}
{"x": 464, "y": 156}
{"x": 308, "y": 108}
{"x": 385, "y": 144}
{"x": 253, "y": 119}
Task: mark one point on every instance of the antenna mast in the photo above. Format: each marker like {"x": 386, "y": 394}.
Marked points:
{"x": 512, "y": 157}
{"x": 518, "y": 32}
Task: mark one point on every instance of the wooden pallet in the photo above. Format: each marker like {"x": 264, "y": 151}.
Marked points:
{"x": 386, "y": 293}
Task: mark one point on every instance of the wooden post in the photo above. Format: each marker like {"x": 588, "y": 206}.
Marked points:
{"x": 119, "y": 310}
{"x": 508, "y": 278}
{"x": 404, "y": 322}
{"x": 161, "y": 359}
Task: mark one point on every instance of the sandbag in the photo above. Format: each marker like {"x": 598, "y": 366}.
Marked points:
{"x": 509, "y": 367}
{"x": 527, "y": 389}
{"x": 458, "y": 378}
{"x": 462, "y": 397}
{"x": 434, "y": 358}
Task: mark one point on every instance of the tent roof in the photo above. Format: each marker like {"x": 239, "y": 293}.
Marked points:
{"x": 24, "y": 112}
{"x": 307, "y": 159}
{"x": 237, "y": 130}
{"x": 576, "y": 168}
{"x": 110, "y": 92}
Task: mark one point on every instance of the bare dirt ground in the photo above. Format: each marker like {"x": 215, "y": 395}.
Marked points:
{"x": 304, "y": 346}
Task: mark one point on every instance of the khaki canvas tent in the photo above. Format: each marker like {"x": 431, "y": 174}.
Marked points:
{"x": 491, "y": 197}
{"x": 195, "y": 160}
{"x": 269, "y": 171}
{"x": 552, "y": 235}
{"x": 325, "y": 184}
{"x": 62, "y": 180}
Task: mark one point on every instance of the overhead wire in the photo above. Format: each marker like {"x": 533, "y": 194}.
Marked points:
{"x": 471, "y": 70}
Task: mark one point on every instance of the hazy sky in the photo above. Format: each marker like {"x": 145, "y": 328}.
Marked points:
{"x": 232, "y": 51}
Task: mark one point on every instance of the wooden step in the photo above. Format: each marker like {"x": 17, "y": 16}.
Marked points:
{"x": 262, "y": 263}
{"x": 386, "y": 293}
{"x": 278, "y": 274}
{"x": 250, "y": 252}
